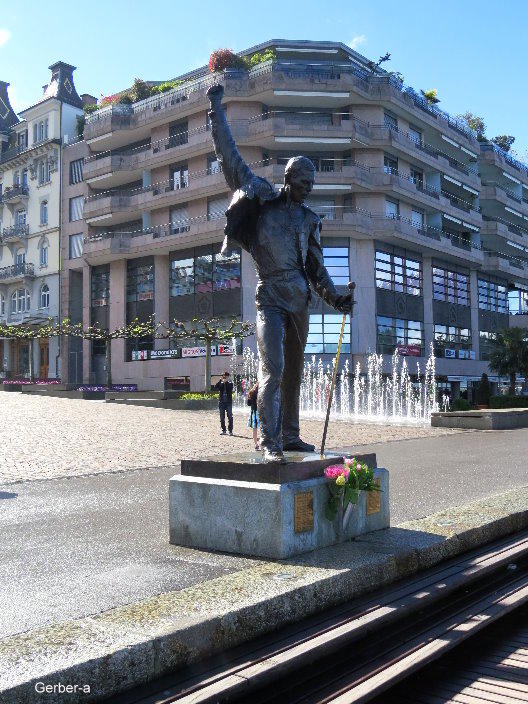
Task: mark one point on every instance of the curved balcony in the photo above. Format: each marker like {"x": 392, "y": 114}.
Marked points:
{"x": 403, "y": 143}
{"x": 16, "y": 272}
{"x": 15, "y": 233}
{"x": 13, "y": 195}
{"x": 275, "y": 82}
{"x": 493, "y": 155}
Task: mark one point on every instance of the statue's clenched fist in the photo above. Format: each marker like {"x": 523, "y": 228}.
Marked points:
{"x": 215, "y": 93}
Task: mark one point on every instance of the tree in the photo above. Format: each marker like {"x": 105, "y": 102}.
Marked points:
{"x": 431, "y": 96}
{"x": 504, "y": 141}
{"x": 373, "y": 66}
{"x": 476, "y": 123}
{"x": 509, "y": 355}
{"x": 208, "y": 332}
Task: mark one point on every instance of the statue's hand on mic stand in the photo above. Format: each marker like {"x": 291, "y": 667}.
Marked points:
{"x": 345, "y": 304}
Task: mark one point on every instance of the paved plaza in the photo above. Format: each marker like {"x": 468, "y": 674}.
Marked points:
{"x": 48, "y": 437}
{"x": 78, "y": 545}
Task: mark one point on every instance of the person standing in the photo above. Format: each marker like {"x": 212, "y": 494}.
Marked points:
{"x": 253, "y": 421}
{"x": 225, "y": 402}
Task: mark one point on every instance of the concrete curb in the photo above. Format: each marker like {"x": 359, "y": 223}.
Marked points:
{"x": 124, "y": 647}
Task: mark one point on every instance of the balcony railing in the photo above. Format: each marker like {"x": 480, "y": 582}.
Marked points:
{"x": 14, "y": 193}
{"x": 15, "y": 232}
{"x": 508, "y": 158}
{"x": 364, "y": 79}
{"x": 16, "y": 151}
{"x": 16, "y": 270}
{"x": 428, "y": 149}
{"x": 509, "y": 225}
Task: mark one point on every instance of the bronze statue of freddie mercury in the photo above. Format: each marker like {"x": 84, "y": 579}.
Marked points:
{"x": 283, "y": 237}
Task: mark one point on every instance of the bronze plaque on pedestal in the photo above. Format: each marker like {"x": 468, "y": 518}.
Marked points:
{"x": 303, "y": 519}
{"x": 374, "y": 500}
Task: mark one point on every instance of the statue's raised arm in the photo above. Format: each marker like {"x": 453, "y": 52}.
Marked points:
{"x": 236, "y": 172}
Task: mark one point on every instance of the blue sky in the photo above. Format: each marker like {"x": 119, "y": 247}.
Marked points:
{"x": 474, "y": 53}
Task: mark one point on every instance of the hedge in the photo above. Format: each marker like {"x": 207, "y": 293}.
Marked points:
{"x": 509, "y": 402}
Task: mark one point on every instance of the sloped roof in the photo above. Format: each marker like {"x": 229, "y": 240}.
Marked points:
{"x": 8, "y": 116}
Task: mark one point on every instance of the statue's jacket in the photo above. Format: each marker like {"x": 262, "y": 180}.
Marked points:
{"x": 282, "y": 237}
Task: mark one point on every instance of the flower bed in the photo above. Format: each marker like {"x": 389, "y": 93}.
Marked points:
{"x": 102, "y": 387}
{"x": 26, "y": 382}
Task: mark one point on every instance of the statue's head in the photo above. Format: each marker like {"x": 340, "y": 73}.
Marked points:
{"x": 299, "y": 177}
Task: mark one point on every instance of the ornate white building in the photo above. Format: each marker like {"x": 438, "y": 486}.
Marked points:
{"x": 30, "y": 217}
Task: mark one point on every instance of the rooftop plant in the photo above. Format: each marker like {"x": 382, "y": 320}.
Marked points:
{"x": 504, "y": 141}
{"x": 225, "y": 58}
{"x": 431, "y": 95}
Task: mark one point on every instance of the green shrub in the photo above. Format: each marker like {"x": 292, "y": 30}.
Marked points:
{"x": 260, "y": 57}
{"x": 199, "y": 396}
{"x": 164, "y": 87}
{"x": 81, "y": 121}
{"x": 509, "y": 402}
{"x": 460, "y": 404}
{"x": 140, "y": 90}
{"x": 483, "y": 391}
{"x": 90, "y": 108}
{"x": 125, "y": 99}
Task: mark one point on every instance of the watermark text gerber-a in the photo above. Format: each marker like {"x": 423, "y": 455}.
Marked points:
{"x": 60, "y": 688}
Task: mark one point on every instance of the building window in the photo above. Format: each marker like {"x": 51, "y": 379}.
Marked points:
{"x": 179, "y": 177}
{"x": 76, "y": 246}
{"x": 451, "y": 337}
{"x": 406, "y": 336}
{"x": 41, "y": 173}
{"x": 213, "y": 165}
{"x": 178, "y": 134}
{"x": 76, "y": 208}
{"x": 140, "y": 282}
{"x": 179, "y": 219}
{"x": 21, "y": 257}
{"x": 48, "y": 171}
{"x": 415, "y": 135}
{"x": 44, "y": 255}
{"x": 486, "y": 344}
{"x": 417, "y": 219}
{"x": 337, "y": 264}
{"x": 20, "y": 301}
{"x": 417, "y": 178}
{"x": 450, "y": 286}
{"x": 44, "y": 296}
{"x": 76, "y": 171}
{"x": 216, "y": 207}
{"x": 390, "y": 164}
{"x": 323, "y": 334}
{"x": 25, "y": 178}
{"x": 390, "y": 121}
{"x": 398, "y": 273}
{"x": 100, "y": 288}
{"x": 392, "y": 208}
{"x": 21, "y": 218}
{"x": 16, "y": 178}
{"x": 2, "y": 304}
{"x": 44, "y": 212}
{"x": 518, "y": 302}
{"x": 492, "y": 296}
{"x": 203, "y": 282}
{"x": 35, "y": 133}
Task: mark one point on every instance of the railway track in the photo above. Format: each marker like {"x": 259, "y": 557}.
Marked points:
{"x": 356, "y": 652}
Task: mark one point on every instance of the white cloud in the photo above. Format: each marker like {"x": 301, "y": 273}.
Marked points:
{"x": 5, "y": 36}
{"x": 357, "y": 41}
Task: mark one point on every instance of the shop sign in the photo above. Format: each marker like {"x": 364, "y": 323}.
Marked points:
{"x": 197, "y": 351}
{"x": 449, "y": 353}
{"x": 409, "y": 350}
{"x": 224, "y": 350}
{"x": 164, "y": 354}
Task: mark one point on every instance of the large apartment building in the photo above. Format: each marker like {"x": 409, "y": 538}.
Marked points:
{"x": 430, "y": 225}
{"x": 30, "y": 215}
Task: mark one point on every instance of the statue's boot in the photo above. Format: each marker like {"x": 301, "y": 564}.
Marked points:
{"x": 298, "y": 445}
{"x": 274, "y": 456}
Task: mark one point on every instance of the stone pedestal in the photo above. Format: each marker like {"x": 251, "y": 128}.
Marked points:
{"x": 238, "y": 504}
